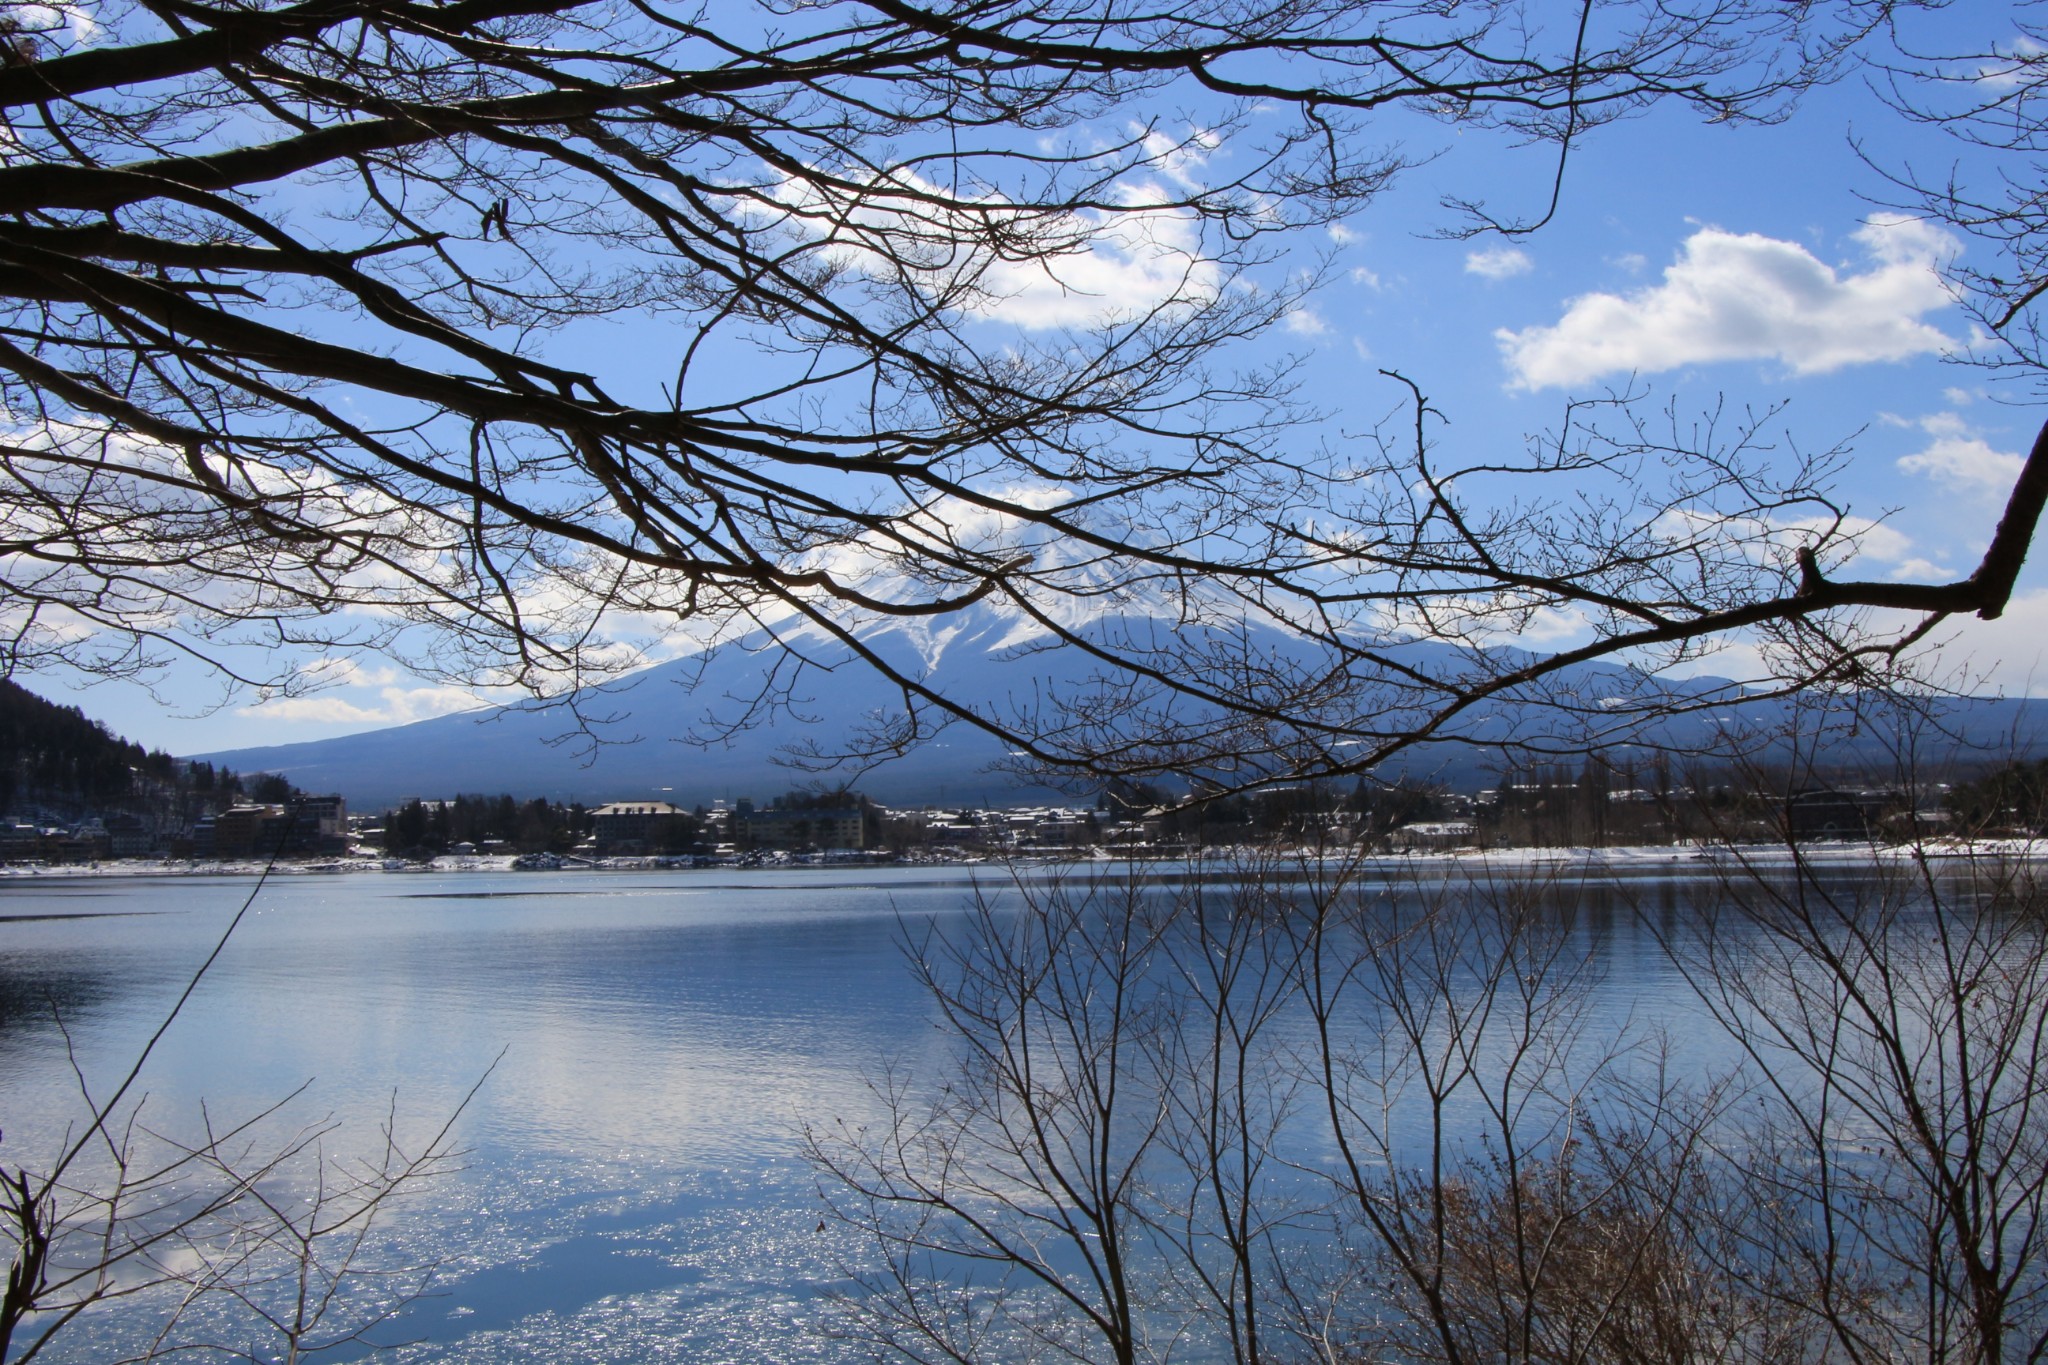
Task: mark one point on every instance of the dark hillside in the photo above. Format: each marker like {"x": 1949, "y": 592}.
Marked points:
{"x": 57, "y": 759}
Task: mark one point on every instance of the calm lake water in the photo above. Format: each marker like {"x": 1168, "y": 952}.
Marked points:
{"x": 653, "y": 1043}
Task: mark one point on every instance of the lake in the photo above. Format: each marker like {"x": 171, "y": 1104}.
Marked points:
{"x": 648, "y": 1047}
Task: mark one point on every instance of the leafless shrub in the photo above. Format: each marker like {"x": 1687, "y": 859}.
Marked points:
{"x": 1296, "y": 1112}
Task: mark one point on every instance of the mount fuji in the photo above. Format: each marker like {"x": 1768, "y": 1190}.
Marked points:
{"x": 673, "y": 731}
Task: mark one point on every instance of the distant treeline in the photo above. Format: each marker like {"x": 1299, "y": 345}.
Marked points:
{"x": 2013, "y": 798}
{"x": 536, "y": 826}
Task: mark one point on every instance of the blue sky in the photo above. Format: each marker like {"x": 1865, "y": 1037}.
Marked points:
{"x": 1737, "y": 266}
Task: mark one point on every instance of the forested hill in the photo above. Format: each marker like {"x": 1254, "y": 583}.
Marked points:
{"x": 57, "y": 759}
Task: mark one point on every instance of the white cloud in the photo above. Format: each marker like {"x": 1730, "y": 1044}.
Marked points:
{"x": 71, "y": 20}
{"x": 1917, "y": 570}
{"x": 1862, "y": 537}
{"x": 1959, "y": 458}
{"x": 2009, "y": 655}
{"x": 1305, "y": 322}
{"x": 1897, "y": 239}
{"x": 346, "y": 670}
{"x": 1552, "y": 627}
{"x": 1369, "y": 278}
{"x": 1035, "y": 271}
{"x": 1504, "y": 618}
{"x": 1342, "y": 235}
{"x": 2016, "y": 63}
{"x": 1498, "y": 262}
{"x": 1128, "y": 267}
{"x": 1181, "y": 160}
{"x": 1965, "y": 463}
{"x": 1763, "y": 537}
{"x": 392, "y": 706}
{"x": 1744, "y": 296}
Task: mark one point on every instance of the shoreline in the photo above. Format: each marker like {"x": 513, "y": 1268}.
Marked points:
{"x": 1618, "y": 858}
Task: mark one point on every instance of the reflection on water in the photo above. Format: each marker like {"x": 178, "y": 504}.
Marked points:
{"x": 633, "y": 1191}
{"x": 34, "y": 998}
